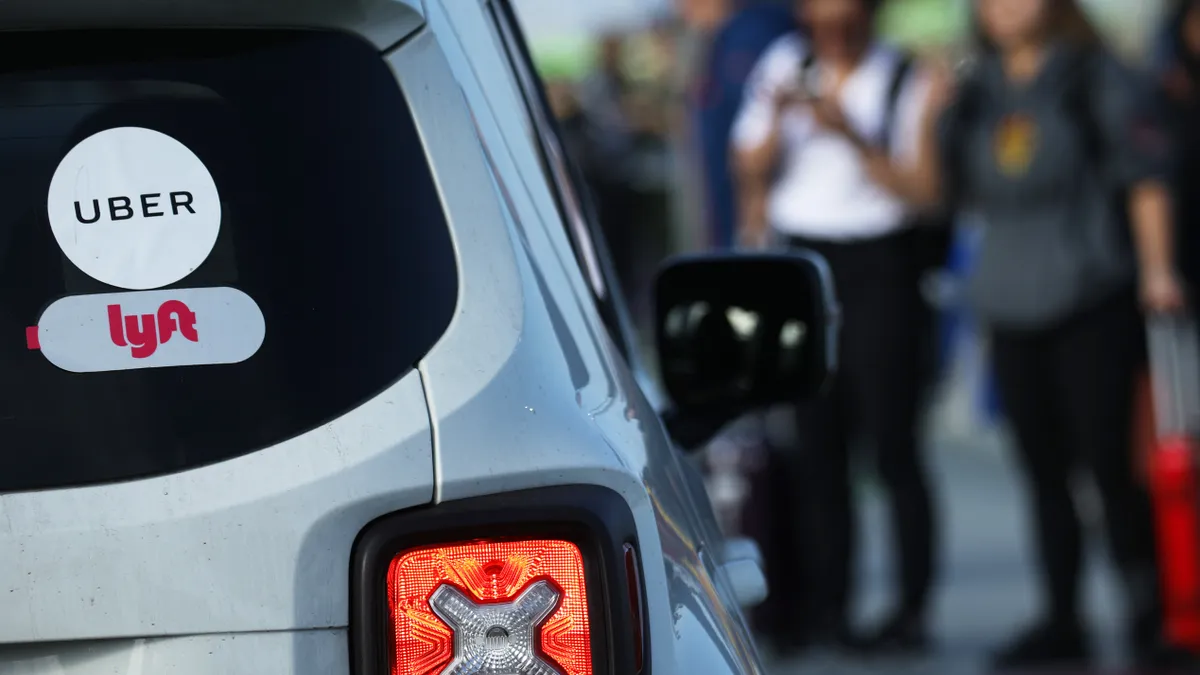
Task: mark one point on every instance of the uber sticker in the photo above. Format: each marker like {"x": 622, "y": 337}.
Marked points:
{"x": 134, "y": 208}
{"x": 149, "y": 329}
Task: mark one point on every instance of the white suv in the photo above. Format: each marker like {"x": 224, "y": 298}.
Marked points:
{"x": 313, "y": 365}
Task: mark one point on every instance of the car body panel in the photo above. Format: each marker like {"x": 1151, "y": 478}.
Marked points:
{"x": 256, "y": 543}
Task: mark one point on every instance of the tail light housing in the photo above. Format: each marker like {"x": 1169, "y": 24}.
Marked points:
{"x": 540, "y": 582}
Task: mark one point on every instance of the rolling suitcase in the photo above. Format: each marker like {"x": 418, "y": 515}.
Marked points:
{"x": 1172, "y": 471}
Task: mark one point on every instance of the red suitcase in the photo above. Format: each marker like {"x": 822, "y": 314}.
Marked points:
{"x": 1172, "y": 471}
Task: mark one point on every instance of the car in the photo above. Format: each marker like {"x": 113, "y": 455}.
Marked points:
{"x": 316, "y": 364}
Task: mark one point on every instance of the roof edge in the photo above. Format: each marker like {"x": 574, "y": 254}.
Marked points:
{"x": 383, "y": 23}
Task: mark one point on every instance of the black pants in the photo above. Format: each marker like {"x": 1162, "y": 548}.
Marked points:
{"x": 1068, "y": 392}
{"x": 875, "y": 398}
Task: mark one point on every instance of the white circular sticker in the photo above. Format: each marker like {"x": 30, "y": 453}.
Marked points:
{"x": 134, "y": 208}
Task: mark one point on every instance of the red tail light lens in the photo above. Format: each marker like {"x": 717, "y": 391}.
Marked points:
{"x": 490, "y": 606}
{"x": 635, "y": 604}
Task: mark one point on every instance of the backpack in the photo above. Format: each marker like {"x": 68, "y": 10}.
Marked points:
{"x": 1057, "y": 277}
{"x": 1078, "y": 107}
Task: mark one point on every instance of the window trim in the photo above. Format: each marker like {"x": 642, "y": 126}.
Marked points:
{"x": 551, "y": 151}
{"x": 574, "y": 205}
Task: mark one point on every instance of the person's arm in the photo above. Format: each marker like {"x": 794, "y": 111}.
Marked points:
{"x": 758, "y": 160}
{"x": 753, "y": 172}
{"x": 745, "y": 42}
{"x": 1151, "y": 216}
{"x": 913, "y": 175}
{"x": 753, "y": 226}
{"x": 1137, "y": 146}
{"x": 755, "y": 145}
{"x": 747, "y": 39}
{"x": 919, "y": 180}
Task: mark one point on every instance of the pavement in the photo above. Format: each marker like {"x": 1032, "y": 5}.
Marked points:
{"x": 987, "y": 588}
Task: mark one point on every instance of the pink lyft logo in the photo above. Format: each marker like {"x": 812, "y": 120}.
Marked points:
{"x": 144, "y": 336}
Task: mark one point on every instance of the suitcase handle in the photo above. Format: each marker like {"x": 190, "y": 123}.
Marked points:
{"x": 1175, "y": 374}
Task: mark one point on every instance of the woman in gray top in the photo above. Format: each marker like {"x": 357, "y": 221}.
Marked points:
{"x": 1051, "y": 142}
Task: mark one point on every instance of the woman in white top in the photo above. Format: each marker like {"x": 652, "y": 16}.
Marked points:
{"x": 835, "y": 144}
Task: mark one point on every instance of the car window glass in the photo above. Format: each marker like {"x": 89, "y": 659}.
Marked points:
{"x": 328, "y": 274}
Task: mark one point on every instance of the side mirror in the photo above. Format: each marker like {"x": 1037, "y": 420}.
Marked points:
{"x": 738, "y": 332}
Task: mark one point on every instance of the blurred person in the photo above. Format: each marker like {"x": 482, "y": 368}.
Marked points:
{"x": 629, "y": 120}
{"x": 564, "y": 105}
{"x": 1057, "y": 147}
{"x": 605, "y": 90}
{"x": 738, "y": 32}
{"x": 602, "y": 118}
{"x": 647, "y": 61}
{"x": 837, "y": 137}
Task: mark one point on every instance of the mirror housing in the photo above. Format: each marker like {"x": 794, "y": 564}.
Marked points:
{"x": 737, "y": 332}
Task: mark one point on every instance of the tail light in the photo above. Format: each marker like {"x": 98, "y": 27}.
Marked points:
{"x": 636, "y": 617}
{"x": 536, "y": 582}
{"x": 490, "y": 607}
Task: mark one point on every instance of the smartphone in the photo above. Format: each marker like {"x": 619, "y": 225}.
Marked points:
{"x": 807, "y": 85}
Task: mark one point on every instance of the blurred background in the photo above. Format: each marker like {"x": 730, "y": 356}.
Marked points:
{"x": 628, "y": 67}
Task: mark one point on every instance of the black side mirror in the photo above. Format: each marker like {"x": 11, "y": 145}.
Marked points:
{"x": 741, "y": 331}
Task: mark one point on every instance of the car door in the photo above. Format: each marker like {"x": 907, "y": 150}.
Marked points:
{"x": 591, "y": 251}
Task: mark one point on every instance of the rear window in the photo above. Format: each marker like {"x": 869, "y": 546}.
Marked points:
{"x": 210, "y": 242}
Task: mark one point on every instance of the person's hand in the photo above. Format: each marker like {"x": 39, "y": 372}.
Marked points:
{"x": 830, "y": 116}
{"x": 878, "y": 167}
{"x": 786, "y": 98}
{"x": 1162, "y": 292}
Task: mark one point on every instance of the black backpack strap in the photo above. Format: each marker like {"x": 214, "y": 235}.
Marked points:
{"x": 895, "y": 86}
{"x": 959, "y": 119}
{"x": 1080, "y": 98}
{"x": 1078, "y": 102}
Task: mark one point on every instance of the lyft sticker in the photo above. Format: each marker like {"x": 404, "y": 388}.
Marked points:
{"x": 134, "y": 208}
{"x": 150, "y": 329}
